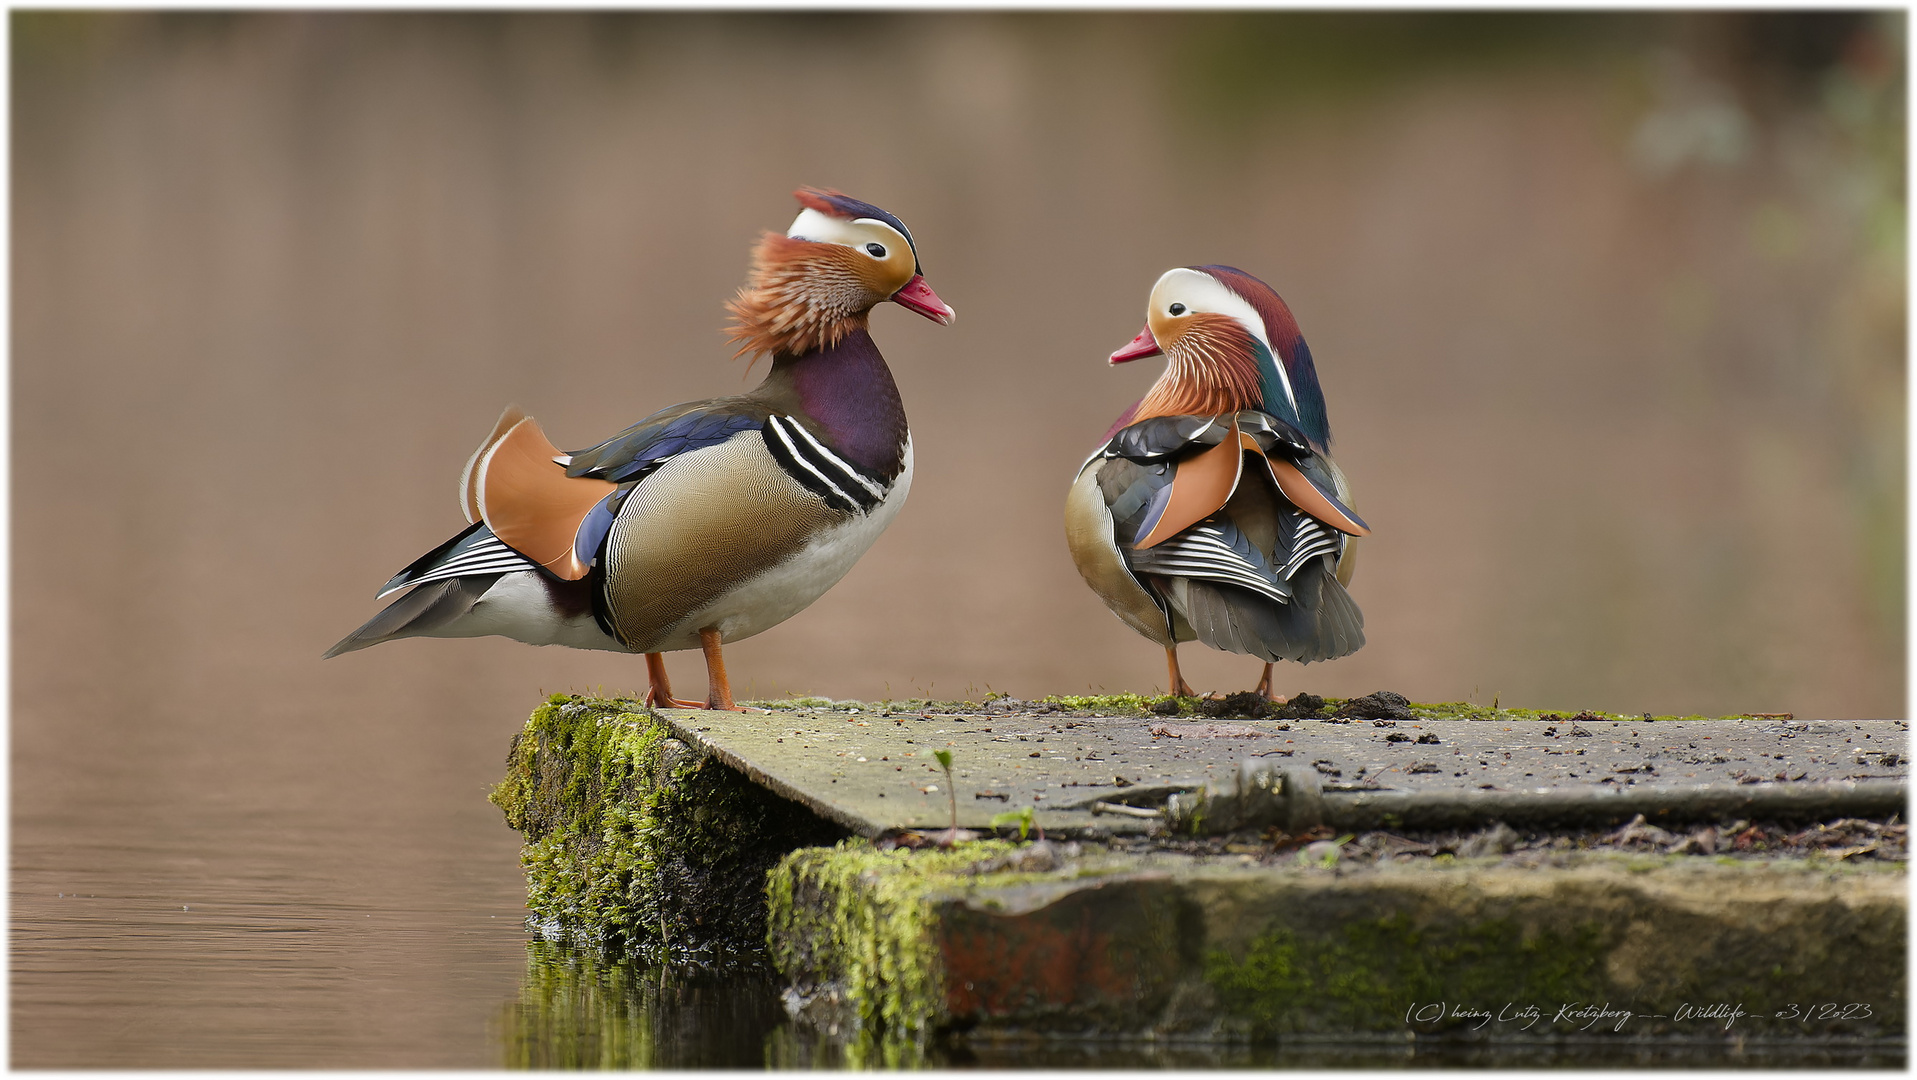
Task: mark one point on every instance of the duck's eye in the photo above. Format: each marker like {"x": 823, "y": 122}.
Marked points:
{"x": 1178, "y": 309}
{"x": 877, "y": 251}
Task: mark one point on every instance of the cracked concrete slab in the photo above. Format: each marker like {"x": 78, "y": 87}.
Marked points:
{"x": 872, "y": 769}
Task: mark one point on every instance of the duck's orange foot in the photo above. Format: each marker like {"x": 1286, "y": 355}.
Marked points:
{"x": 666, "y": 701}
{"x": 659, "y": 688}
{"x": 1263, "y": 689}
{"x": 719, "y": 688}
{"x": 1179, "y": 687}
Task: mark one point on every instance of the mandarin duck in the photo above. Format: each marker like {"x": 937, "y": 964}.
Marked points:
{"x": 707, "y": 522}
{"x": 1213, "y": 511}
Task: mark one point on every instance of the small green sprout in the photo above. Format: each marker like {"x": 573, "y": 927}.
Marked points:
{"x": 945, "y": 762}
{"x": 1023, "y": 817}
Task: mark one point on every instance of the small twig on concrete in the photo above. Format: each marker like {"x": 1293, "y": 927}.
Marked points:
{"x": 1127, "y": 811}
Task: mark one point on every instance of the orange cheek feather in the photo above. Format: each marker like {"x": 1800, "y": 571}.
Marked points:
{"x": 802, "y": 296}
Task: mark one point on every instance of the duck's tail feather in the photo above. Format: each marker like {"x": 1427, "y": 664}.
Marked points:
{"x": 419, "y": 612}
{"x": 1321, "y": 622}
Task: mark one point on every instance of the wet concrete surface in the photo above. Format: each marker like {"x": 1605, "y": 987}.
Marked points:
{"x": 873, "y": 769}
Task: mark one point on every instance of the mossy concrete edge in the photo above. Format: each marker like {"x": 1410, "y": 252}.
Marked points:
{"x": 638, "y": 844}
{"x": 897, "y": 944}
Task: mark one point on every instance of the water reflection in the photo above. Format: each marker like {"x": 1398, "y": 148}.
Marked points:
{"x": 1595, "y": 1053}
{"x": 578, "y": 1010}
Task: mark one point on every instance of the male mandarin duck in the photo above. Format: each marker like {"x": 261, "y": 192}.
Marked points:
{"x": 1214, "y": 512}
{"x": 707, "y": 522}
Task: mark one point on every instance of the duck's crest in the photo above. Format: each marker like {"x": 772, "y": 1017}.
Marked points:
{"x": 840, "y": 205}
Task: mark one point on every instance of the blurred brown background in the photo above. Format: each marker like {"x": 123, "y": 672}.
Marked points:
{"x": 1609, "y": 309}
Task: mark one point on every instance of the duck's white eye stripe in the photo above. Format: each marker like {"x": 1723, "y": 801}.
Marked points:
{"x": 1207, "y": 293}
{"x": 858, "y": 233}
{"x": 907, "y": 233}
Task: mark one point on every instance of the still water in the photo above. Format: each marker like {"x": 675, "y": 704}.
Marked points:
{"x": 222, "y": 930}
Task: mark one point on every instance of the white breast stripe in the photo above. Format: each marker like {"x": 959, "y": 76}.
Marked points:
{"x": 840, "y": 463}
{"x": 785, "y": 437}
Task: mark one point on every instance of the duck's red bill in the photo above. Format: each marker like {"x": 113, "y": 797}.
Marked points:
{"x": 919, "y": 297}
{"x": 1141, "y": 346}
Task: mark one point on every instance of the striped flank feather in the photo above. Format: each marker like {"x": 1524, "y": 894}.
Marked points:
{"x": 1311, "y": 539}
{"x": 473, "y": 552}
{"x": 1213, "y": 551}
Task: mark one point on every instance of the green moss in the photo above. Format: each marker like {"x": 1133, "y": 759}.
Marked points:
{"x": 1361, "y": 976}
{"x": 791, "y": 703}
{"x": 1113, "y": 704}
{"x": 865, "y": 936}
{"x": 638, "y": 844}
{"x": 858, "y": 922}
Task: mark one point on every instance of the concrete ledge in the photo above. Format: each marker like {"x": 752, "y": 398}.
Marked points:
{"x": 642, "y": 841}
{"x": 1183, "y": 947}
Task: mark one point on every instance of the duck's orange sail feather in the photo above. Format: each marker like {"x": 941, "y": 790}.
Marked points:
{"x": 1204, "y": 483}
{"x": 525, "y": 497}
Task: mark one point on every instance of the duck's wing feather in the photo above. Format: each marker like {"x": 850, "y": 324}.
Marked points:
{"x": 1216, "y": 550}
{"x": 646, "y": 445}
{"x": 1306, "y": 476}
{"x": 1200, "y": 485}
{"x": 1263, "y": 584}
{"x": 1185, "y": 468}
{"x": 1249, "y": 564}
{"x": 555, "y": 508}
{"x": 1104, "y": 504}
{"x": 419, "y": 612}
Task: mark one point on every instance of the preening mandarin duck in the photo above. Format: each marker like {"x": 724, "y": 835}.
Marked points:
{"x": 707, "y": 522}
{"x": 1213, "y": 512}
